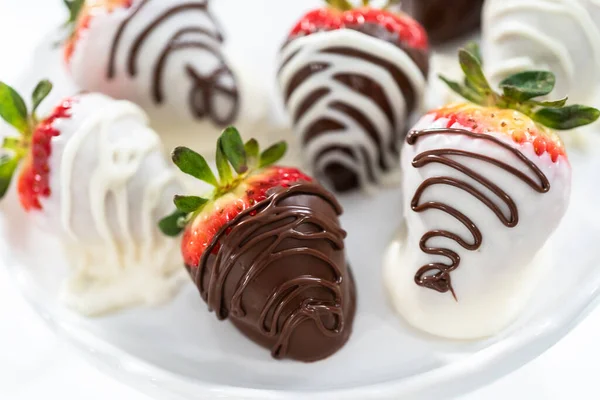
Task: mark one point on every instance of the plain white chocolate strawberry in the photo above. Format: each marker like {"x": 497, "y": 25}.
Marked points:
{"x": 93, "y": 175}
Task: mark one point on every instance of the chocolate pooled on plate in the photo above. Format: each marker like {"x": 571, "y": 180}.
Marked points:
{"x": 266, "y": 250}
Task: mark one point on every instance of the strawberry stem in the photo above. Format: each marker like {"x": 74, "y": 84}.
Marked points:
{"x": 340, "y": 5}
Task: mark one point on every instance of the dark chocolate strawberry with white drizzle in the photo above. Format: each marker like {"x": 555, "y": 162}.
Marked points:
{"x": 350, "y": 78}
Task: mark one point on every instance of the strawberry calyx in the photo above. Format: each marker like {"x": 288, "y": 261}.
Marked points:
{"x": 74, "y": 7}
{"x": 14, "y": 111}
{"x": 238, "y": 164}
{"x": 346, "y": 5}
{"x": 520, "y": 92}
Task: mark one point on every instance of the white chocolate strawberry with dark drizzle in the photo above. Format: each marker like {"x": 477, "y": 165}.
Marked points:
{"x": 169, "y": 57}
{"x": 485, "y": 185}
{"x": 93, "y": 175}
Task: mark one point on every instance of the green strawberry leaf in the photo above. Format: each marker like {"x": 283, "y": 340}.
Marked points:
{"x": 565, "y": 118}
{"x": 473, "y": 48}
{"x": 8, "y": 165}
{"x": 12, "y": 143}
{"x": 192, "y": 163}
{"x": 41, "y": 91}
{"x": 463, "y": 91}
{"x": 550, "y": 103}
{"x": 252, "y": 152}
{"x": 526, "y": 85}
{"x": 272, "y": 154}
{"x": 74, "y": 7}
{"x": 173, "y": 225}
{"x": 519, "y": 92}
{"x": 225, "y": 173}
{"x": 189, "y": 204}
{"x": 13, "y": 109}
{"x": 474, "y": 72}
{"x": 233, "y": 148}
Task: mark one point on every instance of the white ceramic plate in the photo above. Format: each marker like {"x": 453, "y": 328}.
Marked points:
{"x": 180, "y": 351}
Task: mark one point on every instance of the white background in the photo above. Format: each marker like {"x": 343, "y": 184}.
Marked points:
{"x": 34, "y": 364}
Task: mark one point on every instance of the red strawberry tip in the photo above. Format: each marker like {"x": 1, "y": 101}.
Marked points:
{"x": 341, "y": 14}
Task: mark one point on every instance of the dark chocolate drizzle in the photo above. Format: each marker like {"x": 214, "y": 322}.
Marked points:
{"x": 247, "y": 231}
{"x": 440, "y": 280}
{"x": 339, "y": 175}
{"x": 201, "y": 105}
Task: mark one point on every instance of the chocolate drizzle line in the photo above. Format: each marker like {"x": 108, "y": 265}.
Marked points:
{"x": 387, "y": 148}
{"x": 242, "y": 234}
{"x": 209, "y": 85}
{"x": 440, "y": 280}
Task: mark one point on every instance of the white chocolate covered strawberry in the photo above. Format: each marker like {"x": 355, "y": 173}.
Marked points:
{"x": 485, "y": 185}
{"x": 167, "y": 56}
{"x": 93, "y": 174}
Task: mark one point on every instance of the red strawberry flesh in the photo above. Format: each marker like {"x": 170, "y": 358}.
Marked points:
{"x": 515, "y": 125}
{"x": 34, "y": 178}
{"x": 201, "y": 231}
{"x": 408, "y": 30}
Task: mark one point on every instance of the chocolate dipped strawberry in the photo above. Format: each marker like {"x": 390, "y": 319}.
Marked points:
{"x": 169, "y": 57}
{"x": 350, "y": 78}
{"x": 92, "y": 174}
{"x": 266, "y": 249}
{"x": 485, "y": 184}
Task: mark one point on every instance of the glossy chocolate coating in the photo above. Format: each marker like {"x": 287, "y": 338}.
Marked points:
{"x": 336, "y": 174}
{"x": 445, "y": 20}
{"x": 206, "y": 89}
{"x": 436, "y": 276}
{"x": 278, "y": 272}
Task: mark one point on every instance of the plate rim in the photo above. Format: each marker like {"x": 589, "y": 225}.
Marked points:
{"x": 150, "y": 378}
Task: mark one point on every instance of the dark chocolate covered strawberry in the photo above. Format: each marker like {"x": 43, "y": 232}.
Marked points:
{"x": 266, "y": 250}
{"x": 350, "y": 78}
